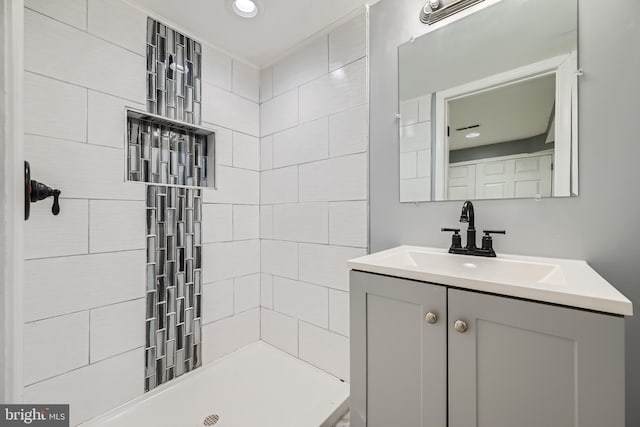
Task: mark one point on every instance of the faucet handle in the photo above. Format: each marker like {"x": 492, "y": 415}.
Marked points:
{"x": 456, "y": 239}
{"x": 453, "y": 230}
{"x": 487, "y": 241}
{"x": 488, "y": 232}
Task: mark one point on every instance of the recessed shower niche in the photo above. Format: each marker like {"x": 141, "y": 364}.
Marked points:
{"x": 169, "y": 151}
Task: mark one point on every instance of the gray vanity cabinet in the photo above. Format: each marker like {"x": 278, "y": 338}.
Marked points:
{"x": 398, "y": 359}
{"x": 487, "y": 361}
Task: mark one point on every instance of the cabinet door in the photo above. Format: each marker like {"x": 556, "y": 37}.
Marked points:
{"x": 526, "y": 364}
{"x": 398, "y": 358}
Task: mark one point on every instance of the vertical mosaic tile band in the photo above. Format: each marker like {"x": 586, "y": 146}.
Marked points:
{"x": 165, "y": 155}
{"x": 174, "y": 283}
{"x": 174, "y": 71}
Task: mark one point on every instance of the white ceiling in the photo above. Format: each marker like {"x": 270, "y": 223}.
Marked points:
{"x": 280, "y": 26}
{"x": 508, "y": 113}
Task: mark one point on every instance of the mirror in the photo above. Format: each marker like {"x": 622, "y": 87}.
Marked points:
{"x": 488, "y": 104}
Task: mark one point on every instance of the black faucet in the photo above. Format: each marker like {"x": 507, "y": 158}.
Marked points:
{"x": 468, "y": 216}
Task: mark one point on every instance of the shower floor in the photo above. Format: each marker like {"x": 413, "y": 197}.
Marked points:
{"x": 257, "y": 385}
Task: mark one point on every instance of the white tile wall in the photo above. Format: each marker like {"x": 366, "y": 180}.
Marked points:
{"x": 266, "y": 153}
{"x": 266, "y": 290}
{"x": 69, "y": 54}
{"x": 266, "y": 222}
{"x": 116, "y": 329}
{"x": 305, "y": 64}
{"x": 408, "y": 164}
{"x": 106, "y": 119}
{"x": 279, "y": 258}
{"x": 72, "y": 12}
{"x": 131, "y": 30}
{"x": 337, "y": 91}
{"x": 301, "y": 300}
{"x": 56, "y": 286}
{"x": 349, "y": 132}
{"x": 46, "y": 235}
{"x": 229, "y": 110}
{"x": 246, "y": 81}
{"x": 279, "y": 113}
{"x": 280, "y": 330}
{"x": 116, "y": 380}
{"x": 408, "y": 112}
{"x": 327, "y": 265}
{"x": 246, "y": 293}
{"x": 224, "y": 144}
{"x": 301, "y": 222}
{"x": 228, "y": 335}
{"x": 348, "y": 223}
{"x": 234, "y": 185}
{"x": 340, "y": 178}
{"x": 314, "y": 123}
{"x": 216, "y": 67}
{"x": 217, "y": 301}
{"x": 415, "y": 137}
{"x": 348, "y": 43}
{"x": 246, "y": 151}
{"x": 80, "y": 171}
{"x": 266, "y": 84}
{"x": 339, "y": 312}
{"x": 230, "y": 259}
{"x": 217, "y": 223}
{"x": 54, "y": 108}
{"x": 116, "y": 225}
{"x": 415, "y": 189}
{"x": 279, "y": 185}
{"x": 246, "y": 222}
{"x": 325, "y": 349}
{"x": 64, "y": 342}
{"x": 301, "y": 144}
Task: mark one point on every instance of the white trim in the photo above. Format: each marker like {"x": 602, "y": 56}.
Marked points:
{"x": 12, "y": 200}
{"x": 559, "y": 65}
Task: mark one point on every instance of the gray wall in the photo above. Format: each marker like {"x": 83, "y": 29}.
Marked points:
{"x": 519, "y": 146}
{"x": 600, "y": 226}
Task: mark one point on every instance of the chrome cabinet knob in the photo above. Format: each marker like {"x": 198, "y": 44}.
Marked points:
{"x": 461, "y": 326}
{"x": 434, "y": 4}
{"x": 431, "y": 318}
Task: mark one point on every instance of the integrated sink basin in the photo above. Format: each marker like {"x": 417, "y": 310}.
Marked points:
{"x": 511, "y": 271}
{"x": 559, "y": 281}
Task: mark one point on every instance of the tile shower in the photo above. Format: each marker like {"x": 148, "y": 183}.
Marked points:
{"x": 95, "y": 311}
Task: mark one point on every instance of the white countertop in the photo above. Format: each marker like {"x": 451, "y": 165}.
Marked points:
{"x": 559, "y": 281}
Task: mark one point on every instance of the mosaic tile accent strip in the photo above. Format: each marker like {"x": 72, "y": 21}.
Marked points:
{"x": 174, "y": 283}
{"x": 174, "y": 72}
{"x": 165, "y": 155}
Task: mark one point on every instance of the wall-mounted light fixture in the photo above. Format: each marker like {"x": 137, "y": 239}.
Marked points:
{"x": 436, "y": 10}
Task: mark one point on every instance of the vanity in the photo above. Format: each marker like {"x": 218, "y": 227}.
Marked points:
{"x": 440, "y": 339}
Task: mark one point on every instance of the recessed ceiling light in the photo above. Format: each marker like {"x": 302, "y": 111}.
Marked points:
{"x": 245, "y": 8}
{"x": 472, "y": 135}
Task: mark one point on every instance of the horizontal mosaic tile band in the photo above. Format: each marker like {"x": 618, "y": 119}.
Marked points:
{"x": 165, "y": 155}
{"x": 174, "y": 72}
{"x": 174, "y": 283}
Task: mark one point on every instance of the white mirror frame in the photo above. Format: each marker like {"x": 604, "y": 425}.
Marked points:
{"x": 565, "y": 176}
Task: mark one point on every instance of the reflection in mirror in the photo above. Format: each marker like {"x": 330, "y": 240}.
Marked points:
{"x": 502, "y": 125}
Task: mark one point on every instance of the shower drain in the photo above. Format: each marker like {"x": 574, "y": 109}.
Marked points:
{"x": 211, "y": 420}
